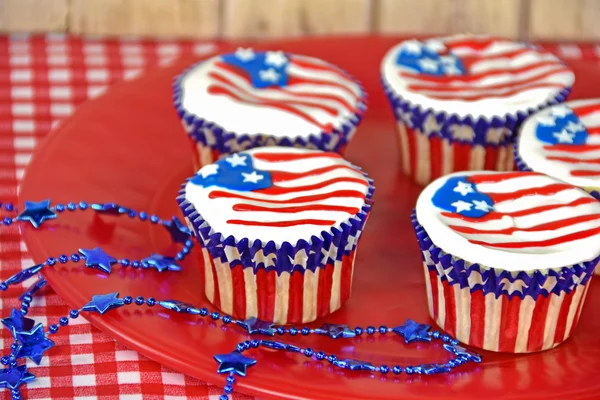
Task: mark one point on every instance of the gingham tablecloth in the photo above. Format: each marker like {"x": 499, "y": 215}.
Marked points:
{"x": 42, "y": 80}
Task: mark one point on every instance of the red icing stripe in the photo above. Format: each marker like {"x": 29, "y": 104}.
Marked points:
{"x": 474, "y": 97}
{"x": 593, "y": 131}
{"x": 561, "y": 323}
{"x": 469, "y": 60}
{"x": 498, "y": 177}
{"x": 282, "y": 176}
{"x": 266, "y": 292}
{"x": 296, "y": 298}
{"x": 239, "y": 291}
{"x": 477, "y": 311}
{"x": 276, "y": 157}
{"x": 302, "y": 199}
{"x": 569, "y": 148}
{"x": 275, "y": 190}
{"x": 320, "y": 222}
{"x": 541, "y": 243}
{"x": 312, "y": 207}
{"x": 509, "y": 323}
{"x": 324, "y": 293}
{"x": 585, "y": 172}
{"x": 549, "y": 226}
{"x": 544, "y": 190}
{"x": 582, "y": 111}
{"x": 314, "y": 81}
{"x": 450, "y": 300}
{"x": 535, "y": 339}
{"x": 575, "y": 160}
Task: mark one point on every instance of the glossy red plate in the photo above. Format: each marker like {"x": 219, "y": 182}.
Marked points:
{"x": 128, "y": 147}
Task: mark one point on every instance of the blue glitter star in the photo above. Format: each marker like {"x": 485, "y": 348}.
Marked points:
{"x": 17, "y": 323}
{"x": 255, "y": 325}
{"x": 162, "y": 263}
{"x": 462, "y": 352}
{"x": 430, "y": 369}
{"x": 233, "y": 362}
{"x": 335, "y": 331}
{"x": 36, "y": 212}
{"x": 98, "y": 259}
{"x": 33, "y": 343}
{"x": 354, "y": 365}
{"x": 101, "y": 303}
{"x": 411, "y": 331}
{"x": 179, "y": 232}
{"x": 12, "y": 378}
{"x": 179, "y": 306}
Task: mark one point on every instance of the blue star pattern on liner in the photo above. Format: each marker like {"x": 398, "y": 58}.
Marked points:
{"x": 255, "y": 325}
{"x": 234, "y": 362}
{"x": 561, "y": 126}
{"x": 33, "y": 344}
{"x": 101, "y": 303}
{"x": 412, "y": 331}
{"x": 460, "y": 196}
{"x": 429, "y": 58}
{"x": 462, "y": 352}
{"x": 178, "y": 231}
{"x": 162, "y": 263}
{"x": 354, "y": 365}
{"x": 179, "y": 306}
{"x": 97, "y": 258}
{"x": 235, "y": 172}
{"x": 36, "y": 213}
{"x": 17, "y": 323}
{"x": 265, "y": 69}
{"x": 24, "y": 274}
{"x": 335, "y": 331}
{"x": 14, "y": 377}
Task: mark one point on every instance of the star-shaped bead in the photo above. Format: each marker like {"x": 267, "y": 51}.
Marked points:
{"x": 269, "y": 75}
{"x": 462, "y": 352}
{"x": 428, "y": 64}
{"x": 253, "y": 177}
{"x": 209, "y": 170}
{"x": 482, "y": 205}
{"x": 234, "y": 362}
{"x": 463, "y": 188}
{"x": 564, "y": 136}
{"x": 335, "y": 331}
{"x": 179, "y": 232}
{"x": 561, "y": 111}
{"x": 33, "y": 344}
{"x": 17, "y": 322}
{"x": 236, "y": 160}
{"x": 412, "y": 331}
{"x": 354, "y": 365}
{"x": 162, "y": 263}
{"x": 546, "y": 120}
{"x": 97, "y": 258}
{"x": 276, "y": 59}
{"x": 179, "y": 306}
{"x": 12, "y": 378}
{"x": 36, "y": 212}
{"x": 245, "y": 54}
{"x": 255, "y": 325}
{"x": 101, "y": 303}
{"x": 462, "y": 206}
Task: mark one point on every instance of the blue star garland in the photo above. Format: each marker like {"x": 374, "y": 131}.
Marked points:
{"x": 18, "y": 323}
{"x": 411, "y": 331}
{"x": 234, "y": 362}
{"x": 98, "y": 259}
{"x": 33, "y": 343}
{"x": 36, "y": 213}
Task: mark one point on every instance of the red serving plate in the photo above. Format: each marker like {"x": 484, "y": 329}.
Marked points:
{"x": 129, "y": 147}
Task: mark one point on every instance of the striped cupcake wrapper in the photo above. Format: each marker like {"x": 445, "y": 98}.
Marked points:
{"x": 287, "y": 283}
{"x": 498, "y": 310}
{"x": 211, "y": 141}
{"x": 434, "y": 143}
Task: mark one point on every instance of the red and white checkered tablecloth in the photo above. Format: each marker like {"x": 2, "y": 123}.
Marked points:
{"x": 42, "y": 80}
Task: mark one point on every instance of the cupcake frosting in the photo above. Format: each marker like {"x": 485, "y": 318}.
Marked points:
{"x": 475, "y": 75}
{"x": 278, "y": 194}
{"x": 271, "y": 93}
{"x": 513, "y": 221}
{"x": 564, "y": 141}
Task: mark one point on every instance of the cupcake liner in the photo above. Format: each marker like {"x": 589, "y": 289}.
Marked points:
{"x": 223, "y": 142}
{"x": 499, "y": 310}
{"x": 297, "y": 272}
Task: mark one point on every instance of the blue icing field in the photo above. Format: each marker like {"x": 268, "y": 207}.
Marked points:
{"x": 426, "y": 61}
{"x": 459, "y": 196}
{"x": 556, "y": 129}
{"x": 235, "y": 172}
{"x": 265, "y": 69}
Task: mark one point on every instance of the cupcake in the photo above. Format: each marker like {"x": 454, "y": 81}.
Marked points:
{"x": 278, "y": 228}
{"x": 237, "y": 101}
{"x": 507, "y": 257}
{"x": 459, "y": 100}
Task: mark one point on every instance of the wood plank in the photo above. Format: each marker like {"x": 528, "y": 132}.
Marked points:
{"x": 441, "y": 17}
{"x": 564, "y": 19}
{"x": 284, "y": 18}
{"x": 33, "y": 15}
{"x": 162, "y": 18}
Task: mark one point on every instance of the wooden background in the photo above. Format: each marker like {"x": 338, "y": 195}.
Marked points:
{"x": 524, "y": 19}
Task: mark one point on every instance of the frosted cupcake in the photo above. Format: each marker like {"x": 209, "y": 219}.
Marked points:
{"x": 278, "y": 228}
{"x": 237, "y": 101}
{"x": 507, "y": 256}
{"x": 459, "y": 100}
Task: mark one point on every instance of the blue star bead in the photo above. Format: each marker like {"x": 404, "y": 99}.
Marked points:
{"x": 430, "y": 369}
{"x": 178, "y": 231}
{"x": 233, "y": 362}
{"x": 354, "y": 365}
{"x": 179, "y": 306}
{"x": 411, "y": 331}
{"x": 101, "y": 303}
{"x": 98, "y": 259}
{"x": 12, "y": 378}
{"x": 162, "y": 263}
{"x": 33, "y": 344}
{"x": 17, "y": 323}
{"x": 335, "y": 331}
{"x": 36, "y": 212}
{"x": 462, "y": 352}
{"x": 254, "y": 325}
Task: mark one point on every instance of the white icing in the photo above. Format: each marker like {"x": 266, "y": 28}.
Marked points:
{"x": 531, "y": 149}
{"x": 499, "y": 105}
{"x": 530, "y": 258}
{"x": 217, "y": 211}
{"x": 243, "y": 118}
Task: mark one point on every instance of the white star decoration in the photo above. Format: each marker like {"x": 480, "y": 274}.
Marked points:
{"x": 244, "y": 54}
{"x": 208, "y": 170}
{"x": 546, "y": 120}
{"x": 573, "y": 127}
{"x": 435, "y": 45}
{"x": 276, "y": 59}
{"x": 236, "y": 160}
{"x": 462, "y": 206}
{"x": 428, "y": 64}
{"x": 561, "y": 111}
{"x": 452, "y": 69}
{"x": 253, "y": 177}
{"x": 564, "y": 136}
{"x": 269, "y": 75}
{"x": 412, "y": 46}
{"x": 482, "y": 205}
{"x": 464, "y": 188}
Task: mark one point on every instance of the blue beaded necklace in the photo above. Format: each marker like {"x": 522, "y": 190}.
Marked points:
{"x": 30, "y": 340}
